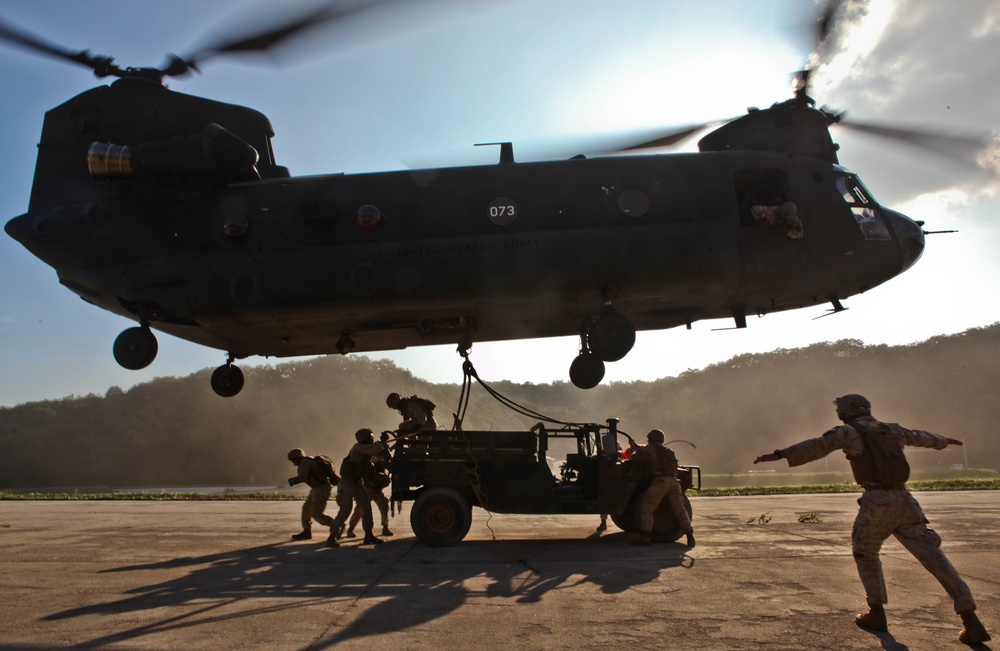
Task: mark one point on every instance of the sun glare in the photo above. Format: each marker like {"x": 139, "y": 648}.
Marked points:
{"x": 861, "y": 32}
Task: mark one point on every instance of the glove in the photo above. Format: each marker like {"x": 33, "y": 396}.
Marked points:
{"x": 292, "y": 481}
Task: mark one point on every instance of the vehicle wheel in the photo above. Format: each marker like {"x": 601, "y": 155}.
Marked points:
{"x": 441, "y": 517}
{"x": 630, "y": 518}
{"x": 586, "y": 371}
{"x": 611, "y": 337}
{"x": 665, "y": 525}
{"x": 227, "y": 380}
{"x": 135, "y": 348}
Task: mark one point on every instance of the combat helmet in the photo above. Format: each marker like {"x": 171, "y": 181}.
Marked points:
{"x": 852, "y": 405}
{"x": 295, "y": 453}
{"x": 392, "y": 400}
{"x": 364, "y": 435}
{"x": 655, "y": 436}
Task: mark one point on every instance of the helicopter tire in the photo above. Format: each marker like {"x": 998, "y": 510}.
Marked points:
{"x": 227, "y": 380}
{"x": 586, "y": 371}
{"x": 665, "y": 525}
{"x": 611, "y": 337}
{"x": 135, "y": 348}
{"x": 441, "y": 517}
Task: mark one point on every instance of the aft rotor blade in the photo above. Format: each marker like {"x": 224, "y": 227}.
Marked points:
{"x": 965, "y": 147}
{"x": 671, "y": 139}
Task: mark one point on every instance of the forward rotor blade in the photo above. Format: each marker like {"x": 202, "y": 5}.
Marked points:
{"x": 284, "y": 33}
{"x": 20, "y": 37}
{"x": 965, "y": 147}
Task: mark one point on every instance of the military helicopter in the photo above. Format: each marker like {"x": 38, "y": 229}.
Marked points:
{"x": 171, "y": 210}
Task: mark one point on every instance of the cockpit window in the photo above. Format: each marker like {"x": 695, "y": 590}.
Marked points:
{"x": 863, "y": 207}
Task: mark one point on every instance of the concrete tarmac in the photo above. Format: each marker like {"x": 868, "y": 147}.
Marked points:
{"x": 226, "y": 575}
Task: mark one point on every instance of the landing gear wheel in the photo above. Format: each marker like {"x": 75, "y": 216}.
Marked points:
{"x": 441, "y": 517}
{"x": 135, "y": 348}
{"x": 586, "y": 371}
{"x": 227, "y": 380}
{"x": 611, "y": 337}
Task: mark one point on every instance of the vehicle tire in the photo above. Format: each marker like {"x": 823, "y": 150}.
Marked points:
{"x": 665, "y": 525}
{"x": 441, "y": 517}
{"x": 630, "y": 517}
{"x": 135, "y": 348}
{"x": 227, "y": 380}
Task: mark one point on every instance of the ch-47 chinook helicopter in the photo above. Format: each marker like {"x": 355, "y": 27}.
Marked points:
{"x": 171, "y": 210}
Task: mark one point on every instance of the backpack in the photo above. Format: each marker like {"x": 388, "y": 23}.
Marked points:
{"x": 883, "y": 461}
{"x": 423, "y": 402}
{"x": 351, "y": 469}
{"x": 325, "y": 469}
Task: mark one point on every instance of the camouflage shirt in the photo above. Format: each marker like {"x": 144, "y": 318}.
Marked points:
{"x": 846, "y": 438}
{"x": 359, "y": 460}
{"x": 658, "y": 459}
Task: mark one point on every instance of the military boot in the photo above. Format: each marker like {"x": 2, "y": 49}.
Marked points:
{"x": 370, "y": 539}
{"x": 385, "y": 531}
{"x": 974, "y": 631}
{"x": 874, "y": 619}
{"x": 690, "y": 539}
{"x": 332, "y": 540}
{"x": 306, "y": 534}
{"x": 645, "y": 539}
{"x": 349, "y": 534}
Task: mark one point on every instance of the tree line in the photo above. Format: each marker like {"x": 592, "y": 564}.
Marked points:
{"x": 176, "y": 432}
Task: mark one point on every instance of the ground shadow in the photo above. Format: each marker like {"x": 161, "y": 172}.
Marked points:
{"x": 402, "y": 583}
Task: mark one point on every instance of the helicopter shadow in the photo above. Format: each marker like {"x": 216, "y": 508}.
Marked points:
{"x": 522, "y": 572}
{"x": 399, "y": 585}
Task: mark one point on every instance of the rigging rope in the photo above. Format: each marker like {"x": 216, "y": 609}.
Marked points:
{"x": 469, "y": 372}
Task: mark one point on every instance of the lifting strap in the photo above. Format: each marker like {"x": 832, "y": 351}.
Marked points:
{"x": 469, "y": 372}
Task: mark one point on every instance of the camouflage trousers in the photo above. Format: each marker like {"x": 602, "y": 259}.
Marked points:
{"x": 351, "y": 494}
{"x": 381, "y": 501}
{"x": 664, "y": 487}
{"x": 896, "y": 513}
{"x": 314, "y": 508}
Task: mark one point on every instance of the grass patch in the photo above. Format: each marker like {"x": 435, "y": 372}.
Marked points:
{"x": 763, "y": 518}
{"x": 155, "y": 497}
{"x": 966, "y": 484}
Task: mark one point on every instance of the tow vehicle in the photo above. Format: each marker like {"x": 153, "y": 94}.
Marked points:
{"x": 446, "y": 473}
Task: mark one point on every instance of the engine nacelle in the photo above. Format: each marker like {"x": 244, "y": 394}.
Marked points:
{"x": 214, "y": 156}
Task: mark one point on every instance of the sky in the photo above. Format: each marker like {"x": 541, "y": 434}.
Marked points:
{"x": 416, "y": 83}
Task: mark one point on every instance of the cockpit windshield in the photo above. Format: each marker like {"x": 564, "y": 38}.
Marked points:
{"x": 863, "y": 207}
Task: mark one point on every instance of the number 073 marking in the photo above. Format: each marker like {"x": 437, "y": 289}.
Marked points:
{"x": 502, "y": 211}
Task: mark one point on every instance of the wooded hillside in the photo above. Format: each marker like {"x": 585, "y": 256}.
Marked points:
{"x": 177, "y": 432}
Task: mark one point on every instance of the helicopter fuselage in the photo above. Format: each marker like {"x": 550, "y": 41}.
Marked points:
{"x": 177, "y": 224}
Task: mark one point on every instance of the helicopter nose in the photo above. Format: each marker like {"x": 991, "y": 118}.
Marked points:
{"x": 910, "y": 236}
{"x": 17, "y": 226}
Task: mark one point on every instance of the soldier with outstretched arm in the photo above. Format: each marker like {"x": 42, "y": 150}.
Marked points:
{"x": 875, "y": 452}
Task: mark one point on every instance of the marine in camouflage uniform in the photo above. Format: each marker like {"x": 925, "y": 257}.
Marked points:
{"x": 661, "y": 466}
{"x": 875, "y": 451}
{"x": 351, "y": 491}
{"x": 314, "y": 508}
{"x": 380, "y": 469}
{"x": 417, "y": 413}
